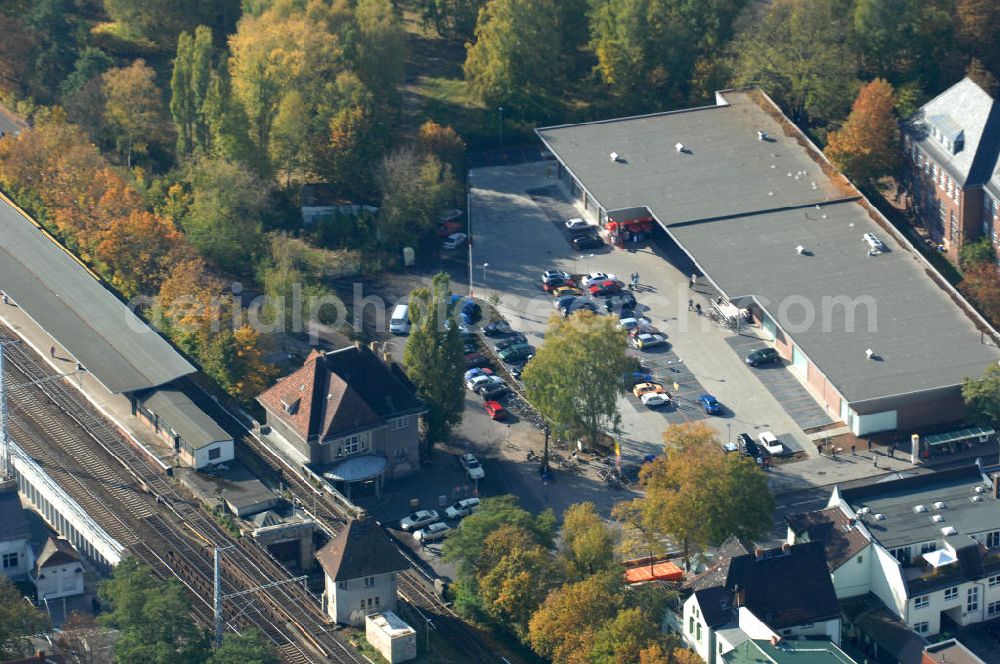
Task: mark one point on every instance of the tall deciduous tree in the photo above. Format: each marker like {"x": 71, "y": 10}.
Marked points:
{"x": 978, "y": 27}
{"x": 455, "y": 19}
{"x": 867, "y": 146}
{"x": 189, "y": 83}
{"x": 563, "y": 628}
{"x": 576, "y": 376}
{"x": 415, "y": 188}
{"x": 798, "y": 53}
{"x": 515, "y": 59}
{"x": 19, "y": 620}
{"x": 622, "y": 639}
{"x": 433, "y": 357}
{"x": 140, "y": 250}
{"x": 250, "y": 647}
{"x": 698, "y": 495}
{"x": 153, "y": 617}
{"x": 163, "y": 20}
{"x": 982, "y": 396}
{"x": 588, "y": 543}
{"x": 133, "y": 108}
{"x": 381, "y": 49}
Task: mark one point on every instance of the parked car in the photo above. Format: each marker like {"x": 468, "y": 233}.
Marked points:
{"x": 454, "y": 241}
{"x": 558, "y": 282}
{"x": 495, "y": 410}
{"x": 635, "y": 377}
{"x": 462, "y": 508}
{"x": 472, "y": 373}
{"x": 763, "y": 356}
{"x": 471, "y": 465}
{"x": 567, "y": 290}
{"x": 747, "y": 445}
{"x": 576, "y": 304}
{"x": 606, "y": 287}
{"x": 644, "y": 328}
{"x": 470, "y": 346}
{"x": 497, "y": 328}
{"x": 513, "y": 340}
{"x": 418, "y": 519}
{"x": 655, "y": 399}
{"x": 481, "y": 381}
{"x": 629, "y": 323}
{"x": 647, "y": 341}
{"x": 516, "y": 352}
{"x": 433, "y": 532}
{"x": 710, "y": 404}
{"x": 594, "y": 277}
{"x": 550, "y": 275}
{"x": 491, "y": 391}
{"x": 446, "y": 228}
{"x": 646, "y": 388}
{"x": 770, "y": 443}
{"x": 576, "y": 223}
{"x": 475, "y": 360}
{"x": 619, "y": 302}
{"x": 584, "y": 242}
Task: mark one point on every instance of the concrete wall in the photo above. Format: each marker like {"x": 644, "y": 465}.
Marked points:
{"x": 55, "y": 581}
{"x": 887, "y": 581}
{"x": 201, "y": 458}
{"x": 348, "y": 602}
{"x": 829, "y": 628}
{"x": 25, "y": 560}
{"x": 853, "y": 578}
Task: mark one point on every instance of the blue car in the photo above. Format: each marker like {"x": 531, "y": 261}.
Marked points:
{"x": 473, "y": 373}
{"x": 636, "y": 377}
{"x": 710, "y": 404}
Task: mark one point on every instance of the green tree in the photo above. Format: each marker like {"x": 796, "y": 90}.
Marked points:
{"x": 867, "y": 146}
{"x": 133, "y": 109}
{"x": 516, "y": 583}
{"x": 698, "y": 495}
{"x": 226, "y": 216}
{"x": 622, "y": 639}
{"x": 250, "y": 647}
{"x": 588, "y": 542}
{"x": 515, "y": 59}
{"x": 465, "y": 546}
{"x": 415, "y": 188}
{"x": 91, "y": 63}
{"x": 455, "y": 19}
{"x": 381, "y": 51}
{"x": 433, "y": 358}
{"x": 226, "y": 121}
{"x": 982, "y": 396}
{"x": 563, "y": 628}
{"x": 798, "y": 53}
{"x": 976, "y": 253}
{"x": 576, "y": 376}
{"x": 19, "y": 620}
{"x": 189, "y": 83}
{"x": 163, "y": 20}
{"x": 153, "y": 617}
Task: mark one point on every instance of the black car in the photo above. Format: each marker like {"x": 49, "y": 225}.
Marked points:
{"x": 497, "y": 329}
{"x": 587, "y": 242}
{"x": 580, "y": 231}
{"x": 576, "y": 304}
{"x": 763, "y": 356}
{"x": 516, "y": 338}
{"x": 493, "y": 390}
{"x": 470, "y": 347}
{"x": 748, "y": 446}
{"x": 620, "y": 301}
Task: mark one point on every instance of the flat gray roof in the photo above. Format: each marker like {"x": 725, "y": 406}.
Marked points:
{"x": 740, "y": 207}
{"x": 190, "y": 422}
{"x": 902, "y": 526}
{"x": 86, "y": 318}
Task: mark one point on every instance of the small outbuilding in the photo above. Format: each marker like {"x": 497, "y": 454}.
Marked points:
{"x": 393, "y": 638}
{"x": 58, "y": 570}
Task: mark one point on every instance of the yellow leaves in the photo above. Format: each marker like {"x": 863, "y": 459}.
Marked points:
{"x": 865, "y": 148}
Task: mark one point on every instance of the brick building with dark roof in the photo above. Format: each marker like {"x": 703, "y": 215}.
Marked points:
{"x": 350, "y": 414}
{"x": 360, "y": 565}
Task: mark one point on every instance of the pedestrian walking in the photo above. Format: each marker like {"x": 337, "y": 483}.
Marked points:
{"x": 636, "y": 280}
{"x": 690, "y": 304}
{"x": 697, "y": 309}
{"x": 853, "y": 452}
{"x": 869, "y": 444}
{"x": 52, "y": 351}
{"x": 875, "y": 461}
{"x": 5, "y": 300}
{"x": 892, "y": 451}
{"x": 694, "y": 280}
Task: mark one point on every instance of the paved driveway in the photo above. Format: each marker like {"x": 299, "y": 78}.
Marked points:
{"x": 516, "y": 216}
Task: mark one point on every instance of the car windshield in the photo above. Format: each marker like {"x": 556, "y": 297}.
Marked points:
{"x": 472, "y": 463}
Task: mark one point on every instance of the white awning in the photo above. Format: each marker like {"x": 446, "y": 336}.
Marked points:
{"x": 940, "y": 558}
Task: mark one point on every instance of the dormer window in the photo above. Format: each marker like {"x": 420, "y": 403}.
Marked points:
{"x": 291, "y": 407}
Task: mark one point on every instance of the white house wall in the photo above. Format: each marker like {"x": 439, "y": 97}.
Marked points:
{"x": 201, "y": 456}
{"x": 853, "y": 578}
{"x": 873, "y": 422}
{"x": 887, "y": 581}
{"x": 705, "y": 646}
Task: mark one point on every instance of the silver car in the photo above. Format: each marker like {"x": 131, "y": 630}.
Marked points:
{"x": 435, "y": 531}
{"x": 418, "y": 519}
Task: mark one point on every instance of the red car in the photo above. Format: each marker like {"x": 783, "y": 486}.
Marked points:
{"x": 495, "y": 410}
{"x": 474, "y": 360}
{"x": 446, "y": 228}
{"x": 606, "y": 287}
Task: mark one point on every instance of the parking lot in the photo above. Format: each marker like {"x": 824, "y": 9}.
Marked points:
{"x": 517, "y": 217}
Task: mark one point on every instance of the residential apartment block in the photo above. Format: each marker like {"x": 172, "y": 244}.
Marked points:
{"x": 952, "y": 145}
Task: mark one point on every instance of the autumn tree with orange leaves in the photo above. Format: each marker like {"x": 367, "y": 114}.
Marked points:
{"x": 867, "y": 146}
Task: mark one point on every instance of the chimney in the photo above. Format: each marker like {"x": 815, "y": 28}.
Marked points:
{"x": 357, "y": 344}
{"x": 387, "y": 358}
{"x": 738, "y": 598}
{"x": 786, "y": 547}
{"x": 758, "y": 553}
{"x": 775, "y": 640}
{"x": 373, "y": 346}
{"x": 761, "y": 135}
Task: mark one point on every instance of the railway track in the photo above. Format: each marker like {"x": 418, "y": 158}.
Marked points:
{"x": 180, "y": 546}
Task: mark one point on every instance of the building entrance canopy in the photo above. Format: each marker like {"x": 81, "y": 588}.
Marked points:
{"x": 357, "y": 469}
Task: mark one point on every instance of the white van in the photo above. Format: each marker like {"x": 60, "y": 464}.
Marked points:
{"x": 400, "y": 321}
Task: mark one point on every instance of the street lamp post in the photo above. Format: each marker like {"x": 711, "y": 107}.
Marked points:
{"x": 468, "y": 208}
{"x": 729, "y": 427}
{"x": 500, "y": 123}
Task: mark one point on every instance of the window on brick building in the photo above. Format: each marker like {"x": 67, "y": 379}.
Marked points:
{"x": 953, "y": 221}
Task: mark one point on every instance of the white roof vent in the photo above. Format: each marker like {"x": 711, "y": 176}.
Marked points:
{"x": 614, "y": 156}
{"x": 679, "y": 147}
{"x": 980, "y": 489}
{"x": 800, "y": 250}
{"x": 940, "y": 505}
{"x": 879, "y": 517}
{"x": 919, "y": 508}
{"x": 869, "y": 353}
{"x": 948, "y": 530}
{"x": 976, "y": 499}
{"x": 937, "y": 518}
